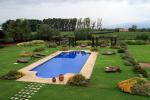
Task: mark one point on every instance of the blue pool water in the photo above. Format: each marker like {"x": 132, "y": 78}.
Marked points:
{"x": 65, "y": 62}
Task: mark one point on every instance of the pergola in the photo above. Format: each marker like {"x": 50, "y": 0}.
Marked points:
{"x": 104, "y": 36}
{"x": 95, "y": 39}
{"x": 65, "y": 39}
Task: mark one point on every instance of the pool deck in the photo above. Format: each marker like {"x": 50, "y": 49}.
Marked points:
{"x": 30, "y": 76}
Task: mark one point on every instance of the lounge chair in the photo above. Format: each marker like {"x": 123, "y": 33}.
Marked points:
{"x": 112, "y": 69}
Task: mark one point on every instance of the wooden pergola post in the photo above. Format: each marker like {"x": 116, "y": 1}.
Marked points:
{"x": 93, "y": 41}
{"x": 69, "y": 42}
{"x": 96, "y": 41}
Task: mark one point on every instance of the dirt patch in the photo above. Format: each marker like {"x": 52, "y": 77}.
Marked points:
{"x": 7, "y": 44}
{"x": 145, "y": 65}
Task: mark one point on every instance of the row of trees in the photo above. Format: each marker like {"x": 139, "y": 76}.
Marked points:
{"x": 87, "y": 23}
{"x": 61, "y": 24}
{"x": 18, "y": 29}
{"x": 24, "y": 30}
{"x": 28, "y": 29}
{"x": 135, "y": 28}
{"x": 55, "y": 23}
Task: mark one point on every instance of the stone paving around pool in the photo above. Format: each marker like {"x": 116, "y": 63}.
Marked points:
{"x": 30, "y": 76}
{"x": 27, "y": 92}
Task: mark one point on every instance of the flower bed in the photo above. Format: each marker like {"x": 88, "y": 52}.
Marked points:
{"x": 136, "y": 85}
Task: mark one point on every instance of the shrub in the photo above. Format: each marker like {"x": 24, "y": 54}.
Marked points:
{"x": 85, "y": 42}
{"x": 121, "y": 50}
{"x": 127, "y": 85}
{"x": 103, "y": 43}
{"x": 132, "y": 61}
{"x": 51, "y": 45}
{"x": 123, "y": 44}
{"x": 94, "y": 49}
{"x": 25, "y": 44}
{"x": 1, "y": 46}
{"x": 136, "y": 42}
{"x": 26, "y": 54}
{"x": 142, "y": 89}
{"x": 45, "y": 32}
{"x": 63, "y": 48}
{"x": 115, "y": 47}
{"x": 141, "y": 71}
{"x": 142, "y": 37}
{"x": 78, "y": 80}
{"x": 12, "y": 75}
{"x": 83, "y": 34}
{"x": 126, "y": 63}
{"x": 38, "y": 49}
{"x": 125, "y": 56}
{"x": 38, "y": 42}
{"x": 31, "y": 43}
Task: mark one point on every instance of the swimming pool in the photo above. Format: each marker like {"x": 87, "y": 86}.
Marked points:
{"x": 65, "y": 62}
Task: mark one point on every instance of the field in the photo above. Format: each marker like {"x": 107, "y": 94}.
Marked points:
{"x": 121, "y": 35}
{"x": 102, "y": 86}
{"x": 130, "y": 35}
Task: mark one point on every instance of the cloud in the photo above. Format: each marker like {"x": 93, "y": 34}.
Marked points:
{"x": 23, "y": 2}
{"x": 112, "y": 11}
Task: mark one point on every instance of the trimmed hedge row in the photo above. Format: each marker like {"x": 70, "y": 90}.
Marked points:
{"x": 130, "y": 61}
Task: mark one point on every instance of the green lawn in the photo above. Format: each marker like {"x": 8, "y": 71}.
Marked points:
{"x": 140, "y": 52}
{"x": 103, "y": 86}
{"x": 130, "y": 35}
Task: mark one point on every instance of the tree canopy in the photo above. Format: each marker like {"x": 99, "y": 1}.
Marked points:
{"x": 45, "y": 32}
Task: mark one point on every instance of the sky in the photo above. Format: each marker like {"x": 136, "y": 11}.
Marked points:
{"x": 115, "y": 13}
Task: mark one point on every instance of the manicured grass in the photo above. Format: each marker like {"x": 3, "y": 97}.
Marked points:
{"x": 103, "y": 85}
{"x": 121, "y": 35}
{"x": 140, "y": 52}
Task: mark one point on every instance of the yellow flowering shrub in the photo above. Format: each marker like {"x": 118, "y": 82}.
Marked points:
{"x": 127, "y": 85}
{"x": 26, "y": 54}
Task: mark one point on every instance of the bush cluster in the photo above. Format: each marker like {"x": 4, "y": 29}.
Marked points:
{"x": 130, "y": 61}
{"x": 123, "y": 45}
{"x": 140, "y": 70}
{"x": 95, "y": 49}
{"x": 86, "y": 42}
{"x": 64, "y": 48}
{"x": 51, "y": 45}
{"x": 136, "y": 85}
{"x": 31, "y": 43}
{"x": 136, "y": 42}
{"x": 12, "y": 75}
{"x": 121, "y": 50}
{"x": 78, "y": 80}
{"x": 38, "y": 49}
{"x": 142, "y": 37}
{"x": 26, "y": 54}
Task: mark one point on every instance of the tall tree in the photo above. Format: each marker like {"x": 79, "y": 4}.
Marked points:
{"x": 19, "y": 30}
{"x": 33, "y": 24}
{"x": 99, "y": 23}
{"x": 133, "y": 28}
{"x": 46, "y": 32}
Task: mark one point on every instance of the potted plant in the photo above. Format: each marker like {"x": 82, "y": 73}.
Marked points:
{"x": 54, "y": 79}
{"x": 61, "y": 77}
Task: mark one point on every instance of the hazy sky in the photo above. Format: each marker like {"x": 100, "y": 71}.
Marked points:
{"x": 113, "y": 12}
